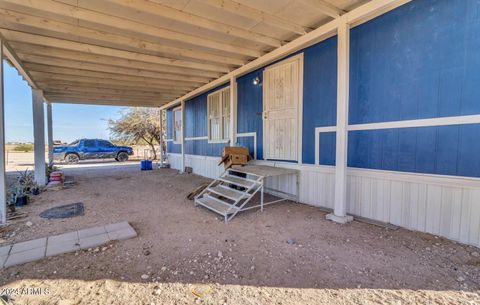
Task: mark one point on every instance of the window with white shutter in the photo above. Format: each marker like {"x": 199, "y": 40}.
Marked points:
{"x": 177, "y": 125}
{"x": 219, "y": 115}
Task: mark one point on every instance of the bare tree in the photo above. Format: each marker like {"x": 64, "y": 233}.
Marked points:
{"x": 136, "y": 125}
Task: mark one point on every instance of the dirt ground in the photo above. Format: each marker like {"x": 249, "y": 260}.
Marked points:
{"x": 289, "y": 254}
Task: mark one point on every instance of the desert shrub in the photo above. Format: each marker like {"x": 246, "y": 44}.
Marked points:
{"x": 24, "y": 148}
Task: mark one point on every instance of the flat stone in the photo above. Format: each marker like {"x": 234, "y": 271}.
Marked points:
{"x": 93, "y": 241}
{"x": 91, "y": 232}
{"x": 5, "y": 250}
{"x": 339, "y": 219}
{"x": 63, "y": 237}
{"x": 2, "y": 260}
{"x": 62, "y": 247}
{"x": 117, "y": 226}
{"x": 29, "y": 245}
{"x": 25, "y": 256}
{"x": 122, "y": 234}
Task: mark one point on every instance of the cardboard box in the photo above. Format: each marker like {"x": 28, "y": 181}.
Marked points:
{"x": 234, "y": 155}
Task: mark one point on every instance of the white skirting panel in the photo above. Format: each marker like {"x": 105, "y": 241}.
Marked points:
{"x": 317, "y": 183}
{"x": 204, "y": 165}
{"x": 175, "y": 161}
{"x": 442, "y": 205}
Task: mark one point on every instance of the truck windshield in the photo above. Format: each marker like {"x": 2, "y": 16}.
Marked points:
{"x": 75, "y": 143}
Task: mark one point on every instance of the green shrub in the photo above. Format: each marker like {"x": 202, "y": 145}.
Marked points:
{"x": 24, "y": 147}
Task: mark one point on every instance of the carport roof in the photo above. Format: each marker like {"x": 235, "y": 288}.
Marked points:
{"x": 149, "y": 52}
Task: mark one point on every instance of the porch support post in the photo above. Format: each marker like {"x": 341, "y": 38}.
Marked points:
{"x": 50, "y": 133}
{"x": 39, "y": 136}
{"x": 233, "y": 111}
{"x": 183, "y": 136}
{"x": 340, "y": 208}
{"x": 161, "y": 135}
{"x": 3, "y": 187}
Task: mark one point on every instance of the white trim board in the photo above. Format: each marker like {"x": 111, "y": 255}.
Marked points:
{"x": 319, "y": 130}
{"x": 432, "y": 122}
{"x": 442, "y": 121}
{"x": 250, "y": 134}
{"x": 196, "y": 138}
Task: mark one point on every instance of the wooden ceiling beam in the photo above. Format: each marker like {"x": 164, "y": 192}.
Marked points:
{"x": 16, "y": 62}
{"x": 109, "y": 97}
{"x": 258, "y": 15}
{"x": 91, "y": 18}
{"x": 37, "y": 25}
{"x": 49, "y": 82}
{"x": 51, "y": 70}
{"x": 16, "y": 36}
{"x": 93, "y": 87}
{"x": 104, "y": 92}
{"x": 357, "y": 16}
{"x": 59, "y": 99}
{"x": 30, "y": 49}
{"x": 140, "y": 8}
{"x": 324, "y": 8}
{"x": 43, "y": 77}
{"x": 79, "y": 65}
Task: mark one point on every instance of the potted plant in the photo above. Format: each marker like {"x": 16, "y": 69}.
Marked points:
{"x": 20, "y": 196}
{"x": 49, "y": 168}
{"x": 27, "y": 180}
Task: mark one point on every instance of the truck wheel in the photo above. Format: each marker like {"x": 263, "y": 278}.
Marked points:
{"x": 122, "y": 157}
{"x": 72, "y": 158}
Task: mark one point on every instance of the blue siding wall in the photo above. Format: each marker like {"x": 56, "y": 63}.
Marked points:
{"x": 171, "y": 147}
{"x": 319, "y": 99}
{"x": 443, "y": 150}
{"x": 249, "y": 110}
{"x": 196, "y": 125}
{"x": 418, "y": 61}
{"x": 196, "y": 117}
{"x": 248, "y": 143}
{"x": 327, "y": 148}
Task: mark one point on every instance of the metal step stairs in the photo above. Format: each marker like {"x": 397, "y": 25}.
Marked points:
{"x": 228, "y": 194}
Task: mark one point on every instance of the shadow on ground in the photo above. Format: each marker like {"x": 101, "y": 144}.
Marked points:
{"x": 289, "y": 252}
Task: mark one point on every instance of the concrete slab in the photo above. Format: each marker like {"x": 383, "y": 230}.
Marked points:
{"x": 122, "y": 234}
{"x": 117, "y": 226}
{"x": 29, "y": 245}
{"x": 36, "y": 249}
{"x": 63, "y": 237}
{"x": 25, "y": 257}
{"x": 62, "y": 247}
{"x": 91, "y": 232}
{"x": 5, "y": 250}
{"x": 93, "y": 241}
{"x": 2, "y": 260}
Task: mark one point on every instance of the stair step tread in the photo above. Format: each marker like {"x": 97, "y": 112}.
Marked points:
{"x": 227, "y": 192}
{"x": 216, "y": 206}
{"x": 239, "y": 181}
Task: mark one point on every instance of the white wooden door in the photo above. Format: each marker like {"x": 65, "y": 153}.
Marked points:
{"x": 282, "y": 85}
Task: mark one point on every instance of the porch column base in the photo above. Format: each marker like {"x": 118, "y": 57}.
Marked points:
{"x": 339, "y": 219}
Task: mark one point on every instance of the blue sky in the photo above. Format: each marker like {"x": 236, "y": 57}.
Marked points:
{"x": 70, "y": 121}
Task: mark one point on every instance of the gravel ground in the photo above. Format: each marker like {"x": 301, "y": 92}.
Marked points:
{"x": 289, "y": 254}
